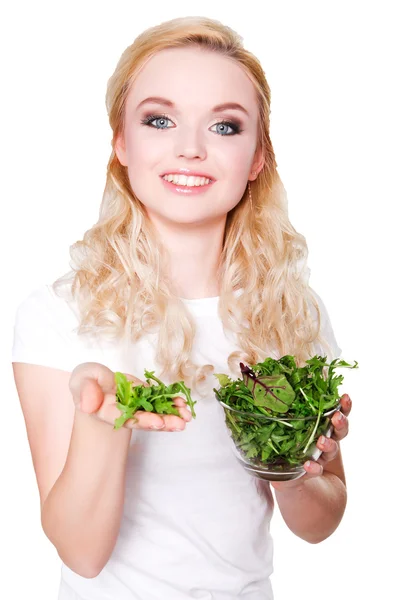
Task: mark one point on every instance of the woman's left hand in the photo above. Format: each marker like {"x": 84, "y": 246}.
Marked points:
{"x": 329, "y": 447}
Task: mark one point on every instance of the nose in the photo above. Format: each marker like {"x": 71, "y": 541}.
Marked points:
{"x": 190, "y": 144}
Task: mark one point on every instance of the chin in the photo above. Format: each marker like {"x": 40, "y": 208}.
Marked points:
{"x": 183, "y": 217}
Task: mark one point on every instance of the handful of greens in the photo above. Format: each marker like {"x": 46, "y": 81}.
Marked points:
{"x": 156, "y": 398}
{"x": 295, "y": 400}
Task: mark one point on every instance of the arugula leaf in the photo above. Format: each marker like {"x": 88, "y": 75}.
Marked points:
{"x": 223, "y": 379}
{"x": 156, "y": 398}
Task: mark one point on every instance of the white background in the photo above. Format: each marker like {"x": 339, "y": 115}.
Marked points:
{"x": 333, "y": 71}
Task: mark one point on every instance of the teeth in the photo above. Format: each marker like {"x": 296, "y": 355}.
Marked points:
{"x": 189, "y": 181}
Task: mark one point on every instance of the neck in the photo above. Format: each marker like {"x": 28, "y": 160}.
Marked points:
{"x": 194, "y": 252}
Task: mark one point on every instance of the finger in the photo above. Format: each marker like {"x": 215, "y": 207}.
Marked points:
{"x": 90, "y": 371}
{"x": 151, "y": 421}
{"x": 179, "y": 401}
{"x": 146, "y": 420}
{"x": 174, "y": 423}
{"x": 346, "y": 404}
{"x": 340, "y": 426}
{"x": 313, "y": 469}
{"x": 182, "y": 406}
{"x": 91, "y": 396}
{"x": 329, "y": 448}
{"x": 185, "y": 413}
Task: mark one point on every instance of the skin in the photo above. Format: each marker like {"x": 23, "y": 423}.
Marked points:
{"x": 192, "y": 228}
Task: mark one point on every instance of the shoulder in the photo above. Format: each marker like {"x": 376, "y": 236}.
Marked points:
{"x": 45, "y": 329}
{"x": 43, "y": 306}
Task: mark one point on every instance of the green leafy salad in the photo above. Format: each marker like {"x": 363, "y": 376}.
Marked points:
{"x": 280, "y": 390}
{"x": 156, "y": 398}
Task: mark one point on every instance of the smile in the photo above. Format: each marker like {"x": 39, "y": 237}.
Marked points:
{"x": 186, "y": 185}
{"x": 190, "y": 180}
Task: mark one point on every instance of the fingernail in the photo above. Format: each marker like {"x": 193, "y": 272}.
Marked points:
{"x": 322, "y": 440}
{"x": 340, "y": 417}
{"x": 158, "y": 426}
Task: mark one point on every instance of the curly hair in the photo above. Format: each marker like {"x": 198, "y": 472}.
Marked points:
{"x": 118, "y": 275}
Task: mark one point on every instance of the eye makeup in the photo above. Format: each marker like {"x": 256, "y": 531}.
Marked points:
{"x": 234, "y": 124}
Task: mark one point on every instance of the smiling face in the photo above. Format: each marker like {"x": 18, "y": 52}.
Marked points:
{"x": 183, "y": 130}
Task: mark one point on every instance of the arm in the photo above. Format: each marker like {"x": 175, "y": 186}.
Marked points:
{"x": 313, "y": 506}
{"x": 82, "y": 513}
{"x": 313, "y": 509}
{"x": 79, "y": 458}
{"x": 79, "y": 463}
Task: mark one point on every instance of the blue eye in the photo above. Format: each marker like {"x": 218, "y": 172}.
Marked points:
{"x": 149, "y": 119}
{"x": 221, "y": 125}
{"x": 235, "y": 127}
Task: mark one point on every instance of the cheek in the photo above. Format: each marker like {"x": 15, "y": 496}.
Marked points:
{"x": 145, "y": 157}
{"x": 237, "y": 158}
{"x": 145, "y": 148}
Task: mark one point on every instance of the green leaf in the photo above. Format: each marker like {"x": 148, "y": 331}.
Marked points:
{"x": 271, "y": 391}
{"x": 223, "y": 379}
{"x": 146, "y": 405}
{"x": 123, "y": 387}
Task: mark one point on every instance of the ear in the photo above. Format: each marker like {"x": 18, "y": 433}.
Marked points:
{"x": 120, "y": 149}
{"x": 257, "y": 165}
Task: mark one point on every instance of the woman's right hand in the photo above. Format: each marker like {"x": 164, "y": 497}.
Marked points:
{"x": 94, "y": 389}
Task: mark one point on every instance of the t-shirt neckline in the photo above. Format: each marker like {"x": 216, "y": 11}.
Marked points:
{"x": 202, "y": 306}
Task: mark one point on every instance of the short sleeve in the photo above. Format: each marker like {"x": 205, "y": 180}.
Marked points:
{"x": 43, "y": 331}
{"x": 326, "y": 329}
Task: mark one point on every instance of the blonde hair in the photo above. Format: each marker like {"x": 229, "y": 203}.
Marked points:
{"x": 119, "y": 269}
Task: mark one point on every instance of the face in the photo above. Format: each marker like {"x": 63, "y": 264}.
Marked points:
{"x": 186, "y": 133}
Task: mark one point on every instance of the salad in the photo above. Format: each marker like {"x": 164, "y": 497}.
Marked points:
{"x": 276, "y": 411}
{"x": 156, "y": 397}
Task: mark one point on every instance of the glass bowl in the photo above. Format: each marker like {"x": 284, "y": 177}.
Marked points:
{"x": 258, "y": 449}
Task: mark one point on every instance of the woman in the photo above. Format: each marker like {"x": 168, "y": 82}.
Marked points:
{"x": 192, "y": 267}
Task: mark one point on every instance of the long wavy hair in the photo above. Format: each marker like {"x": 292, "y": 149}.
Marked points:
{"x": 118, "y": 275}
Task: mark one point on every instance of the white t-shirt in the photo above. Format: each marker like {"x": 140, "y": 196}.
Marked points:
{"x": 195, "y": 524}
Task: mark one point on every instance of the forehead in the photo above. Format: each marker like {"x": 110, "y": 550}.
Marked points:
{"x": 191, "y": 76}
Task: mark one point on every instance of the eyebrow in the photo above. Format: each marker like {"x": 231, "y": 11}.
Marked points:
{"x": 170, "y": 104}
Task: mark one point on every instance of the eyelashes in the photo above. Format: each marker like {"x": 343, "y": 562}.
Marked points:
{"x": 233, "y": 124}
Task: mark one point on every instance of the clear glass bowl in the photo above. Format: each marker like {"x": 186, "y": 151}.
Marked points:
{"x": 267, "y": 463}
